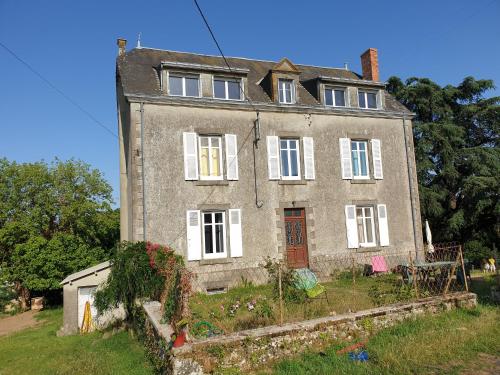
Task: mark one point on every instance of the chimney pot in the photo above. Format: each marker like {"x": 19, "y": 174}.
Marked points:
{"x": 122, "y": 44}
{"x": 369, "y": 64}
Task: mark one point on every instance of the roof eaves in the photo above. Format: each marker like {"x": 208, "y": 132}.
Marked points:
{"x": 218, "y": 68}
{"x": 353, "y": 81}
{"x": 86, "y": 272}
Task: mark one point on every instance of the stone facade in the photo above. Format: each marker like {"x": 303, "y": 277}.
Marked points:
{"x": 155, "y": 194}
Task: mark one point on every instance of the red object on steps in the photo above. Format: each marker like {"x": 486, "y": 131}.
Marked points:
{"x": 180, "y": 339}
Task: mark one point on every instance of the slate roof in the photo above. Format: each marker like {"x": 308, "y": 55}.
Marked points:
{"x": 139, "y": 70}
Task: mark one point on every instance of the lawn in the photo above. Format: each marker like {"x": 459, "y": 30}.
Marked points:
{"x": 446, "y": 343}
{"x": 39, "y": 351}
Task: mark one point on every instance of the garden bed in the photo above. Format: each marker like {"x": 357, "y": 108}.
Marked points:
{"x": 249, "y": 306}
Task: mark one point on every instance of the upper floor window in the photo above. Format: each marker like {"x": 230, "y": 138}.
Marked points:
{"x": 367, "y": 99}
{"x": 335, "y": 97}
{"x": 180, "y": 85}
{"x": 359, "y": 154}
{"x": 210, "y": 157}
{"x": 290, "y": 161}
{"x": 227, "y": 88}
{"x": 286, "y": 89}
{"x": 204, "y": 158}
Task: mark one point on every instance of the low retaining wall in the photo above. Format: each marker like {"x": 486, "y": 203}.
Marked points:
{"x": 255, "y": 348}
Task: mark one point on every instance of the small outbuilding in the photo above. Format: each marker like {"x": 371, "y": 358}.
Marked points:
{"x": 78, "y": 289}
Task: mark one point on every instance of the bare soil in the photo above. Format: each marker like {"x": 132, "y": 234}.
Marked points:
{"x": 18, "y": 322}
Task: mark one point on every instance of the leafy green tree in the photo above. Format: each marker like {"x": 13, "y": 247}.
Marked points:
{"x": 55, "y": 219}
{"x": 456, "y": 133}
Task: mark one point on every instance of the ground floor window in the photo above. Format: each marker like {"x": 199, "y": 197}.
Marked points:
{"x": 366, "y": 226}
{"x": 214, "y": 234}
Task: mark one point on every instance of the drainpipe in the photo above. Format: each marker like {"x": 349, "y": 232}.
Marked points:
{"x": 410, "y": 182}
{"x": 143, "y": 176}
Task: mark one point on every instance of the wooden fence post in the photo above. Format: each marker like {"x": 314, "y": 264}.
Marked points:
{"x": 353, "y": 271}
{"x": 414, "y": 275}
{"x": 463, "y": 268}
{"x": 280, "y": 293}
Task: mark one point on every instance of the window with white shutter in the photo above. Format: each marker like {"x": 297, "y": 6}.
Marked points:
{"x": 273, "y": 159}
{"x": 351, "y": 227}
{"x": 377, "y": 159}
{"x": 190, "y": 156}
{"x": 235, "y": 234}
{"x": 345, "y": 158}
{"x": 193, "y": 230}
{"x": 383, "y": 227}
{"x": 231, "y": 157}
{"x": 309, "y": 168}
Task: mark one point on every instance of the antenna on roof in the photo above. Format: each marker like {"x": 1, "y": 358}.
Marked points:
{"x": 139, "y": 41}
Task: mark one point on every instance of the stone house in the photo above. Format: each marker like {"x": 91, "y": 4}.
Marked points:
{"x": 230, "y": 165}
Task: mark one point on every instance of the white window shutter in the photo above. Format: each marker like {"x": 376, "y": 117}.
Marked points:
{"x": 345, "y": 158}
{"x": 383, "y": 227}
{"x": 235, "y": 235}
{"x": 351, "y": 226}
{"x": 193, "y": 230}
{"x": 309, "y": 172}
{"x": 273, "y": 158}
{"x": 190, "y": 156}
{"x": 379, "y": 99}
{"x": 378, "y": 174}
{"x": 231, "y": 157}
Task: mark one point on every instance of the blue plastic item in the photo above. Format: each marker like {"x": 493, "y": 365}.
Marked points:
{"x": 361, "y": 356}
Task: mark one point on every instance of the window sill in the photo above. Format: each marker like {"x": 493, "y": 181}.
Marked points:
{"x": 373, "y": 249}
{"x": 207, "y": 262}
{"x": 211, "y": 183}
{"x": 292, "y": 182}
{"x": 363, "y": 181}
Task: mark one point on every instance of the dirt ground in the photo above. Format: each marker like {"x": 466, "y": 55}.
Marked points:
{"x": 485, "y": 365}
{"x": 18, "y": 322}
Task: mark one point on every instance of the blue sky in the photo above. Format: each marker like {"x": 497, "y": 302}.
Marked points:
{"x": 73, "y": 44}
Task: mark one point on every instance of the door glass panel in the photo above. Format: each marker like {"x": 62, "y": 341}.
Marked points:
{"x": 289, "y": 235}
{"x": 298, "y": 233}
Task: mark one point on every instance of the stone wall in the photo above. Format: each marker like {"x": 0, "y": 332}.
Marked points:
{"x": 257, "y": 348}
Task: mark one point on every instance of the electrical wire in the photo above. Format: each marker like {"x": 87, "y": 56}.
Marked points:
{"x": 59, "y": 91}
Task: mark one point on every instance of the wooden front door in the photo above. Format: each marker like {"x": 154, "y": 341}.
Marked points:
{"x": 296, "y": 238}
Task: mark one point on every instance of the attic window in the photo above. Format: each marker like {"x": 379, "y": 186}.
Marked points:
{"x": 228, "y": 89}
{"x": 367, "y": 99}
{"x": 335, "y": 97}
{"x": 184, "y": 85}
{"x": 286, "y": 90}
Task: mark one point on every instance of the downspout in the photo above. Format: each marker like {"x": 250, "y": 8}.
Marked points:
{"x": 410, "y": 183}
{"x": 143, "y": 176}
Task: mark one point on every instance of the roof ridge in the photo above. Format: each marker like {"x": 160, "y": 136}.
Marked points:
{"x": 239, "y": 58}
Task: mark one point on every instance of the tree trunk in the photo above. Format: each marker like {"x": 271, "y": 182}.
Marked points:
{"x": 23, "y": 295}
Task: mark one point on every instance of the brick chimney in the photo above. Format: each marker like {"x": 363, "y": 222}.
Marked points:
{"x": 369, "y": 64}
{"x": 122, "y": 43}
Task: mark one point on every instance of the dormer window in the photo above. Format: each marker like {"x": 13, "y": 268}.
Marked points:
{"x": 367, "y": 99}
{"x": 184, "y": 85}
{"x": 227, "y": 88}
{"x": 286, "y": 89}
{"x": 335, "y": 97}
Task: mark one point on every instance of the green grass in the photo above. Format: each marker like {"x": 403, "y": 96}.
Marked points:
{"x": 446, "y": 343}
{"x": 39, "y": 351}
{"x": 343, "y": 294}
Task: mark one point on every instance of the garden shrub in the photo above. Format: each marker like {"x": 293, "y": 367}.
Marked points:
{"x": 145, "y": 271}
{"x": 288, "y": 280}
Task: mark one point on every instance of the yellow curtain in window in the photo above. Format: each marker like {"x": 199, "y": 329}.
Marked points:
{"x": 215, "y": 162}
{"x": 204, "y": 161}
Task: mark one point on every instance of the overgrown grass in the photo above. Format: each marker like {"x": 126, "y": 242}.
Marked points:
{"x": 39, "y": 351}
{"x": 344, "y": 295}
{"x": 445, "y": 343}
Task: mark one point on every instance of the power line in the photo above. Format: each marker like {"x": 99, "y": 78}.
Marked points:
{"x": 59, "y": 91}
{"x": 222, "y": 53}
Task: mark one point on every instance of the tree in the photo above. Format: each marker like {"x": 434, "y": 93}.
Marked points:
{"x": 456, "y": 133}
{"x": 55, "y": 219}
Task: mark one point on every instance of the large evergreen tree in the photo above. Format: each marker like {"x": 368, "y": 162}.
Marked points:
{"x": 456, "y": 133}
